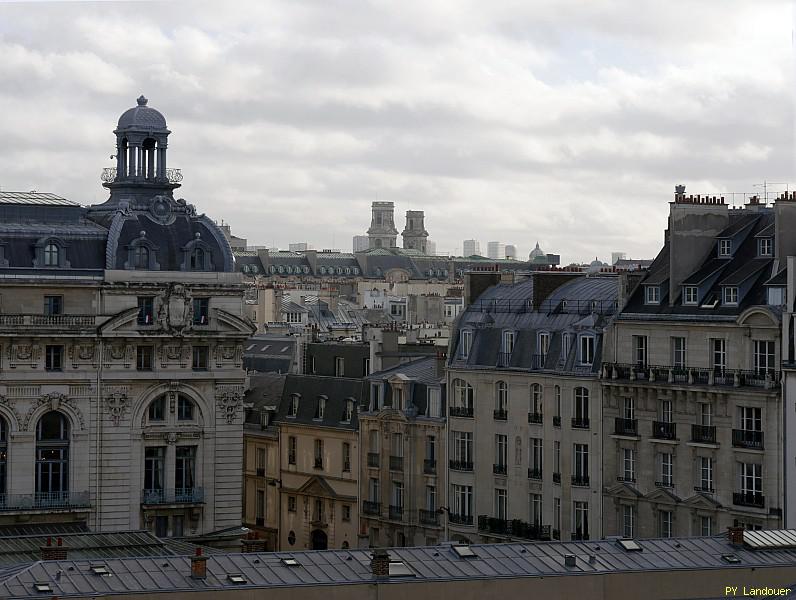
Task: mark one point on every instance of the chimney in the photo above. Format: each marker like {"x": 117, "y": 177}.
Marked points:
{"x": 569, "y": 560}
{"x": 57, "y": 552}
{"x": 439, "y": 364}
{"x": 199, "y": 565}
{"x": 735, "y": 535}
{"x": 380, "y": 564}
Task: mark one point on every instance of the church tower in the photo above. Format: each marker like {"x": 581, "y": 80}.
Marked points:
{"x": 414, "y": 234}
{"x": 382, "y": 232}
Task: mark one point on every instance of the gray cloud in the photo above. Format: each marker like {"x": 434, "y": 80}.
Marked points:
{"x": 552, "y": 120}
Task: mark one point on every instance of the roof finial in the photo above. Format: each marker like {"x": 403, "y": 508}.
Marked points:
{"x": 142, "y": 100}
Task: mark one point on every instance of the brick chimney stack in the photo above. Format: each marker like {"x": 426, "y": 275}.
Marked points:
{"x": 50, "y": 552}
{"x": 735, "y": 535}
{"x": 380, "y": 564}
{"x": 199, "y": 565}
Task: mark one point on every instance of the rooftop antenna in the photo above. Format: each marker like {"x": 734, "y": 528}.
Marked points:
{"x": 765, "y": 185}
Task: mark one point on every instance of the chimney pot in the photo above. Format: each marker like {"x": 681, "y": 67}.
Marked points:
{"x": 380, "y": 564}
{"x": 199, "y": 565}
{"x": 569, "y": 560}
{"x": 735, "y": 535}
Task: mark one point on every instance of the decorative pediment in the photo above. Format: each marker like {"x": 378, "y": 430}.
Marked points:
{"x": 236, "y": 323}
{"x": 624, "y": 490}
{"x": 54, "y": 401}
{"x": 701, "y": 500}
{"x": 663, "y": 496}
{"x": 317, "y": 486}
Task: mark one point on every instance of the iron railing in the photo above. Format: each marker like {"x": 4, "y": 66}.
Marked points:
{"x": 396, "y": 463}
{"x": 625, "y": 426}
{"x": 460, "y": 519}
{"x": 513, "y": 528}
{"x": 664, "y": 430}
{"x": 556, "y": 420}
{"x": 535, "y": 417}
{"x": 428, "y": 517}
{"x": 109, "y": 175}
{"x": 499, "y": 469}
{"x": 429, "y": 466}
{"x": 192, "y": 495}
{"x": 754, "y": 378}
{"x": 461, "y": 465}
{"x": 461, "y": 411}
{"x": 747, "y": 438}
{"x": 500, "y": 414}
{"x": 705, "y": 434}
{"x": 373, "y": 459}
{"x": 582, "y": 480}
{"x": 44, "y": 500}
{"x": 580, "y": 423}
{"x": 534, "y": 473}
{"x": 754, "y": 499}
{"x": 371, "y": 508}
{"x": 396, "y": 513}
{"x": 556, "y": 477}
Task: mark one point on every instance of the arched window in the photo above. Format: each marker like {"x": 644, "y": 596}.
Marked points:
{"x": 3, "y": 455}
{"x": 51, "y": 255}
{"x": 141, "y": 257}
{"x": 197, "y": 259}
{"x": 536, "y": 399}
{"x": 463, "y": 403}
{"x": 184, "y": 409}
{"x": 52, "y": 459}
{"x": 501, "y": 397}
{"x": 157, "y": 409}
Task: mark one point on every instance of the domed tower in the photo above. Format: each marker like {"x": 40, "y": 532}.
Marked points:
{"x": 536, "y": 253}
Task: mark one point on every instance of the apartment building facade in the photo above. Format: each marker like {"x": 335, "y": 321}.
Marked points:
{"x": 693, "y": 410}
{"x": 402, "y": 466}
{"x": 524, "y": 429}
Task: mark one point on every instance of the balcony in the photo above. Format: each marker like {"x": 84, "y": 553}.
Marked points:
{"x": 580, "y": 536}
{"x": 172, "y": 176}
{"x": 747, "y": 438}
{"x": 664, "y": 430}
{"x": 534, "y": 473}
{"x": 580, "y": 480}
{"x": 318, "y": 463}
{"x": 538, "y": 361}
{"x": 557, "y": 421}
{"x": 753, "y": 499}
{"x": 504, "y": 359}
{"x": 461, "y": 411}
{"x": 461, "y": 465}
{"x": 500, "y": 414}
{"x": 665, "y": 484}
{"x": 625, "y": 426}
{"x": 39, "y": 322}
{"x": 396, "y": 513}
{"x": 557, "y": 478}
{"x": 513, "y": 528}
{"x": 626, "y": 479}
{"x": 688, "y": 376}
{"x": 535, "y": 417}
{"x": 704, "y": 490}
{"x": 194, "y": 495}
{"x": 428, "y": 517}
{"x": 430, "y": 466}
{"x": 260, "y": 472}
{"x": 556, "y": 534}
{"x": 371, "y": 508}
{"x": 460, "y": 519}
{"x": 45, "y": 501}
{"x": 580, "y": 423}
{"x": 396, "y": 463}
{"x": 499, "y": 469}
{"x": 703, "y": 434}
{"x": 373, "y": 459}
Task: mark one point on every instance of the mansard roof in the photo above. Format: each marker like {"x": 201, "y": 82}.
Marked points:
{"x": 309, "y": 388}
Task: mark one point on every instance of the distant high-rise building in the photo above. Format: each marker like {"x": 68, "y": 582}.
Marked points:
{"x": 617, "y": 256}
{"x": 414, "y": 234}
{"x": 496, "y": 250}
{"x": 471, "y": 247}
{"x": 300, "y": 247}
{"x": 431, "y": 248}
{"x": 511, "y": 251}
{"x": 361, "y": 243}
{"x": 382, "y": 232}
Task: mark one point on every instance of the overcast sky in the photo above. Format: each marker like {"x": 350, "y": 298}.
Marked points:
{"x": 563, "y": 121}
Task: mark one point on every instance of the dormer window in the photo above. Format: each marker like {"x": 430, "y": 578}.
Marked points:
{"x": 725, "y": 248}
{"x": 51, "y": 255}
{"x": 294, "y": 404}
{"x": 349, "y": 411}
{"x": 586, "y": 349}
{"x": 197, "y": 259}
{"x": 465, "y": 342}
{"x": 321, "y": 408}
{"x": 765, "y": 247}
{"x": 508, "y": 342}
{"x": 731, "y": 295}
{"x": 544, "y": 343}
{"x": 653, "y": 295}
{"x": 777, "y": 296}
{"x": 690, "y": 295}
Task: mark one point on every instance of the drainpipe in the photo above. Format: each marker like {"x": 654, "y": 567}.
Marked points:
{"x": 98, "y": 443}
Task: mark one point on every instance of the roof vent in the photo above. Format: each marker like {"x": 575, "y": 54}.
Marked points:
{"x": 570, "y": 560}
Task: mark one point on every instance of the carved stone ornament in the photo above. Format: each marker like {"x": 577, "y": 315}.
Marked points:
{"x": 53, "y": 401}
{"x": 227, "y": 352}
{"x": 85, "y": 351}
{"x": 117, "y": 405}
{"x": 11, "y": 406}
{"x": 24, "y": 351}
{"x": 229, "y": 401}
{"x": 117, "y": 351}
{"x": 172, "y": 352}
{"x": 175, "y": 308}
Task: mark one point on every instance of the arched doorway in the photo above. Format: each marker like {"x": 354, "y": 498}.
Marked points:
{"x": 319, "y": 540}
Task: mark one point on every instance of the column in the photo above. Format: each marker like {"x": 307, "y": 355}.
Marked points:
{"x": 161, "y": 161}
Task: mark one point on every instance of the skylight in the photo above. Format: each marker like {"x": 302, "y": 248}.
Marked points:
{"x": 100, "y": 570}
{"x": 236, "y": 579}
{"x": 42, "y": 587}
{"x": 400, "y": 569}
{"x": 730, "y": 558}
{"x": 630, "y": 545}
{"x": 290, "y": 562}
{"x": 464, "y": 551}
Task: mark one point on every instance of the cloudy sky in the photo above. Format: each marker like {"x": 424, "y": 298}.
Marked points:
{"x": 563, "y": 121}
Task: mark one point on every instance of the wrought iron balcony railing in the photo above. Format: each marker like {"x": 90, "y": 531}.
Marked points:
{"x": 556, "y": 420}
{"x": 705, "y": 434}
{"x": 429, "y": 466}
{"x": 580, "y": 423}
{"x": 373, "y": 459}
{"x": 428, "y": 517}
{"x": 371, "y": 508}
{"x": 754, "y": 378}
{"x": 556, "y": 477}
{"x": 513, "y": 528}
{"x": 460, "y": 519}
{"x": 535, "y": 417}
{"x": 582, "y": 480}
{"x": 664, "y": 430}
{"x": 44, "y": 500}
{"x": 396, "y": 463}
{"x": 461, "y": 465}
{"x": 193, "y": 495}
{"x": 754, "y": 499}
{"x": 747, "y": 438}
{"x": 625, "y": 426}
{"x": 461, "y": 411}
{"x": 500, "y": 414}
{"x": 534, "y": 473}
{"x": 499, "y": 469}
{"x": 172, "y": 176}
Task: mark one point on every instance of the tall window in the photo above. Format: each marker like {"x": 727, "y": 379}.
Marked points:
{"x": 691, "y": 295}
{"x": 665, "y": 518}
{"x": 557, "y": 457}
{"x": 751, "y": 479}
{"x": 586, "y": 349}
{"x": 557, "y": 514}
{"x": 291, "y": 450}
{"x": 750, "y": 418}
{"x": 397, "y": 444}
{"x": 536, "y": 509}
{"x": 348, "y": 411}
{"x": 501, "y": 451}
{"x": 501, "y": 396}
{"x": 53, "y": 305}
{"x": 184, "y": 408}
{"x": 320, "y": 407}
{"x": 763, "y": 356}
{"x": 581, "y": 470}
{"x": 719, "y": 354}
{"x": 339, "y": 366}
{"x": 143, "y": 358}
{"x": 146, "y": 310}
{"x": 581, "y": 520}
{"x": 544, "y": 345}
{"x": 197, "y": 261}
{"x": 581, "y": 412}
{"x": 52, "y": 457}
{"x": 200, "y": 358}
{"x": 678, "y": 352}
{"x": 653, "y": 294}
{"x": 666, "y": 411}
{"x": 3, "y": 456}
{"x": 508, "y": 342}
{"x": 260, "y": 508}
{"x": 536, "y": 399}
{"x": 706, "y": 473}
{"x": 628, "y": 464}
{"x": 725, "y": 247}
{"x": 640, "y": 350}
{"x": 261, "y": 460}
{"x": 731, "y": 295}
{"x": 51, "y": 255}
{"x": 706, "y": 526}
{"x": 463, "y": 394}
{"x": 535, "y": 456}
{"x": 431, "y": 498}
{"x": 705, "y": 414}
{"x": 373, "y": 490}
{"x": 463, "y": 500}
{"x": 318, "y": 445}
{"x": 501, "y": 503}
{"x": 431, "y": 447}
{"x": 185, "y": 470}
{"x": 346, "y": 457}
{"x": 201, "y": 311}
{"x": 434, "y": 402}
{"x": 666, "y": 461}
{"x": 557, "y": 394}
{"x": 465, "y": 342}
{"x": 398, "y": 494}
{"x": 628, "y": 408}
{"x": 141, "y": 257}
{"x": 154, "y": 469}
{"x": 765, "y": 247}
{"x": 463, "y": 446}
{"x": 157, "y": 410}
{"x": 628, "y": 521}
{"x": 292, "y": 410}
{"x": 53, "y": 358}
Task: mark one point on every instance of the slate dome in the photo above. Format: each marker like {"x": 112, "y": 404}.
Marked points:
{"x": 142, "y": 117}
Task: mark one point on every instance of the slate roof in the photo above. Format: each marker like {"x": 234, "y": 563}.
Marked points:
{"x": 269, "y": 353}
{"x": 265, "y": 393}
{"x": 309, "y": 388}
{"x": 74, "y": 578}
{"x": 421, "y": 370}
{"x": 39, "y": 198}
